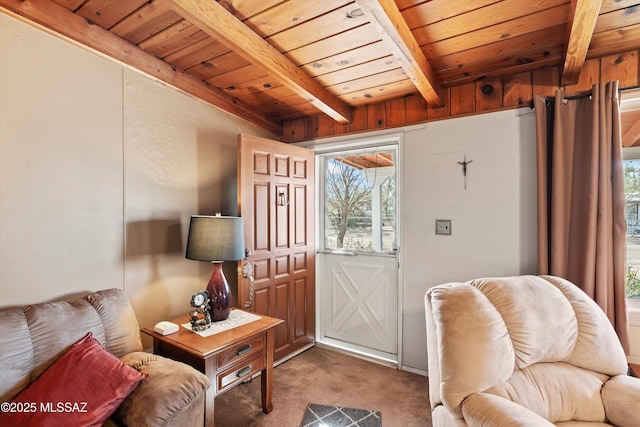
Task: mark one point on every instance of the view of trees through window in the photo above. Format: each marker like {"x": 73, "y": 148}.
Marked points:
{"x": 632, "y": 210}
{"x": 358, "y": 216}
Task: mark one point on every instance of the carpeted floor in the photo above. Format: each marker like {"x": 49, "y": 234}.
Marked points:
{"x": 327, "y": 377}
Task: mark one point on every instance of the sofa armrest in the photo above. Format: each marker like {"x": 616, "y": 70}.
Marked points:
{"x": 172, "y": 394}
{"x": 483, "y": 409}
{"x": 620, "y": 397}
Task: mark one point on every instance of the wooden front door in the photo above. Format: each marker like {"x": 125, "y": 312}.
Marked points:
{"x": 276, "y": 200}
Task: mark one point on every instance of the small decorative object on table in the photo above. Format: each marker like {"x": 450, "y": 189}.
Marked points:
{"x": 201, "y": 316}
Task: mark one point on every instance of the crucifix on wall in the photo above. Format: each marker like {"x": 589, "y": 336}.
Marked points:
{"x": 464, "y": 164}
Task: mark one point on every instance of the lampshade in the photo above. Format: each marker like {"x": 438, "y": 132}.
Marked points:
{"x": 215, "y": 238}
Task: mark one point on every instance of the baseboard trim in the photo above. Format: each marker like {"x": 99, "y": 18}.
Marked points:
{"x": 294, "y": 354}
{"x": 415, "y": 371}
{"x": 352, "y": 353}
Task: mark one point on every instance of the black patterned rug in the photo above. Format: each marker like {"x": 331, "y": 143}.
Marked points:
{"x": 336, "y": 416}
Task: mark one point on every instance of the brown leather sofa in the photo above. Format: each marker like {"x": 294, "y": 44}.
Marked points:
{"x": 35, "y": 336}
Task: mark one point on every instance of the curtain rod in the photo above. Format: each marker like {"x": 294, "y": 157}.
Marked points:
{"x": 550, "y": 99}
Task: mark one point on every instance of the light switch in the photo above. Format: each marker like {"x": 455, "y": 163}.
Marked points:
{"x": 443, "y": 226}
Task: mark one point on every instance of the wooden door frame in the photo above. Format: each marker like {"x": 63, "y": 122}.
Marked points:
{"x": 372, "y": 139}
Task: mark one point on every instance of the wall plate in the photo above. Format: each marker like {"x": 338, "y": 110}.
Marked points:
{"x": 443, "y": 226}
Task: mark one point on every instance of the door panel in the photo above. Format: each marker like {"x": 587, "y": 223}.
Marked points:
{"x": 276, "y": 196}
{"x": 358, "y": 264}
{"x": 261, "y": 223}
{"x": 360, "y": 304}
{"x": 301, "y": 297}
{"x": 300, "y": 220}
{"x": 282, "y": 307}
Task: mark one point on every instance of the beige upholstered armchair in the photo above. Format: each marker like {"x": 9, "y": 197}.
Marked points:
{"x": 525, "y": 351}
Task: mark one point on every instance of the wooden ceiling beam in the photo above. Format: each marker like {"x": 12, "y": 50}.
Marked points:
{"x": 391, "y": 26}
{"x": 57, "y": 20}
{"x": 215, "y": 20}
{"x": 582, "y": 21}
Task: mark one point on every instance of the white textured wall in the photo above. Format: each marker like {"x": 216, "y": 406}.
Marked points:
{"x": 493, "y": 220}
{"x": 100, "y": 171}
{"x": 180, "y": 159}
{"x": 61, "y": 167}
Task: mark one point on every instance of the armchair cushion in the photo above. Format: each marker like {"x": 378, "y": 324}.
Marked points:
{"x": 620, "y": 396}
{"x": 556, "y": 391}
{"x": 472, "y": 330}
{"x": 484, "y": 410}
{"x": 165, "y": 398}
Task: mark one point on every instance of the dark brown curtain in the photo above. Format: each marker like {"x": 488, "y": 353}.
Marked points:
{"x": 581, "y": 221}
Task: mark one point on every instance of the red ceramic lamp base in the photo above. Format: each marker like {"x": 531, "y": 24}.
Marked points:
{"x": 219, "y": 294}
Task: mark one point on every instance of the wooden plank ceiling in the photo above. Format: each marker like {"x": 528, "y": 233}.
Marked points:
{"x": 270, "y": 61}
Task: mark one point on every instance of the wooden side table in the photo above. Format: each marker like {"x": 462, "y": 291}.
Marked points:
{"x": 227, "y": 358}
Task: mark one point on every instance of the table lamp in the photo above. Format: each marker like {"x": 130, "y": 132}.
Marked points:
{"x": 216, "y": 239}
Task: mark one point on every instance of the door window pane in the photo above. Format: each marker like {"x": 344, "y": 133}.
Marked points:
{"x": 632, "y": 208}
{"x": 360, "y": 200}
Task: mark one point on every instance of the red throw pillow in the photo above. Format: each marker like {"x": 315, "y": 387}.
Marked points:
{"x": 82, "y": 388}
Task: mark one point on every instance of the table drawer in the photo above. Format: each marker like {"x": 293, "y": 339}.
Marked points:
{"x": 241, "y": 351}
{"x": 240, "y": 373}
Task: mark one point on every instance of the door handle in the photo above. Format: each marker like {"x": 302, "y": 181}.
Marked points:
{"x": 332, "y": 252}
{"x": 282, "y": 199}
{"x": 247, "y": 273}
{"x": 244, "y": 371}
{"x": 243, "y": 350}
